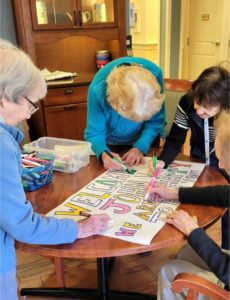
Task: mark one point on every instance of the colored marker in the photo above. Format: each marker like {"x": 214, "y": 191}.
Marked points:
{"x": 87, "y": 215}
{"x": 123, "y": 166}
{"x": 151, "y": 184}
{"x": 154, "y": 162}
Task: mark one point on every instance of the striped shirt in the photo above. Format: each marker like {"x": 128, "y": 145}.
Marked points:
{"x": 186, "y": 118}
{"x": 181, "y": 120}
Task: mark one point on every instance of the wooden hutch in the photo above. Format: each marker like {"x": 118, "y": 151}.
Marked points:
{"x": 65, "y": 35}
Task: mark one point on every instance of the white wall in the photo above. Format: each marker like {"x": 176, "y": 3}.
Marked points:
{"x": 146, "y": 32}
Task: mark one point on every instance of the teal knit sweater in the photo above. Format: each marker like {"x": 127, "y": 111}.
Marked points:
{"x": 106, "y": 127}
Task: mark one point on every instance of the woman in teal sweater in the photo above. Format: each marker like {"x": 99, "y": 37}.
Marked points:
{"x": 125, "y": 107}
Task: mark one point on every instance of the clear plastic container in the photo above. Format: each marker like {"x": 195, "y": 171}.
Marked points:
{"x": 68, "y": 155}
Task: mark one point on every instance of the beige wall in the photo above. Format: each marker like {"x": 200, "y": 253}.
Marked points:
{"x": 146, "y": 32}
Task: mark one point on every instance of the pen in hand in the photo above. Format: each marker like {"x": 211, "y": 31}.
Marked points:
{"x": 121, "y": 164}
{"x": 151, "y": 184}
{"x": 153, "y": 181}
{"x": 87, "y": 215}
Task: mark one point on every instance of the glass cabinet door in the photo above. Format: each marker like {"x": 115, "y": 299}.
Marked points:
{"x": 54, "y": 12}
{"x": 62, "y": 14}
{"x": 97, "y": 11}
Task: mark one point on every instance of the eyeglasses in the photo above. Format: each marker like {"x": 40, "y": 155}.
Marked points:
{"x": 35, "y": 106}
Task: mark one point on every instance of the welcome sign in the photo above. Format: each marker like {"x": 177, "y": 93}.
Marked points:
{"x": 121, "y": 196}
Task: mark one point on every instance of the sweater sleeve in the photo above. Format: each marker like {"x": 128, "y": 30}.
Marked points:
{"x": 177, "y": 135}
{"x": 211, "y": 253}
{"x": 17, "y": 216}
{"x": 95, "y": 131}
{"x": 213, "y": 195}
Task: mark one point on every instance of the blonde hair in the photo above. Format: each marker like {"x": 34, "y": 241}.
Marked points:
{"x": 222, "y": 129}
{"x": 134, "y": 92}
{"x": 18, "y": 75}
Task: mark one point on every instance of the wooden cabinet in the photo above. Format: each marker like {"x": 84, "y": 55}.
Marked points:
{"x": 65, "y": 35}
{"x": 62, "y": 113}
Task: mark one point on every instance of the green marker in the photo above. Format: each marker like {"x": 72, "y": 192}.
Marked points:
{"x": 123, "y": 166}
{"x": 154, "y": 162}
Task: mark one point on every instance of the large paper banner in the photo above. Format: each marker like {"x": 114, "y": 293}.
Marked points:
{"x": 121, "y": 196}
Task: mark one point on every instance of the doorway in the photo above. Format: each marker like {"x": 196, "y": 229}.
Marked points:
{"x": 174, "y": 41}
{"x": 205, "y": 34}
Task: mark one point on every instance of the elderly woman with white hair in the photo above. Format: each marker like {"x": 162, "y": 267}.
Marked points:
{"x": 21, "y": 86}
{"x": 125, "y": 107}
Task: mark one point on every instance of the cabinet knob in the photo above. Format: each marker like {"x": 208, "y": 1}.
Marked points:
{"x": 68, "y": 92}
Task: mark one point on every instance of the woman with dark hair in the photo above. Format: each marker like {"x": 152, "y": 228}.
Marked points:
{"x": 209, "y": 94}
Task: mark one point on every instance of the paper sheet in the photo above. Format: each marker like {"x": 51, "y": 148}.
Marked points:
{"x": 121, "y": 196}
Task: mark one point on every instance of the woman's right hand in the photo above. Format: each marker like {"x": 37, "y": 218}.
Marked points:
{"x": 109, "y": 163}
{"x": 163, "y": 192}
{"x": 95, "y": 224}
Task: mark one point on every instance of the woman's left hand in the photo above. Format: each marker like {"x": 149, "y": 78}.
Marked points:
{"x": 182, "y": 221}
{"x": 133, "y": 157}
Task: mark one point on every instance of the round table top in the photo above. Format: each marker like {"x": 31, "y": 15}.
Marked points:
{"x": 66, "y": 184}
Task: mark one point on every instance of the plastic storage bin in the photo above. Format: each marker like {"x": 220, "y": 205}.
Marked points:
{"x": 37, "y": 177}
{"x": 69, "y": 155}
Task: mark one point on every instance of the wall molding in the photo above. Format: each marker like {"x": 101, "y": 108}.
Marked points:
{"x": 145, "y": 46}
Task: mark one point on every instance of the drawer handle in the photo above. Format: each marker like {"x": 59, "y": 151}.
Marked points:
{"x": 68, "y": 108}
{"x": 68, "y": 92}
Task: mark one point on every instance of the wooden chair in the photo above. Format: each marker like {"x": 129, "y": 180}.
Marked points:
{"x": 195, "y": 285}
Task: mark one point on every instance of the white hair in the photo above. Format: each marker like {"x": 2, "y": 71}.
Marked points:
{"x": 18, "y": 75}
{"x": 134, "y": 92}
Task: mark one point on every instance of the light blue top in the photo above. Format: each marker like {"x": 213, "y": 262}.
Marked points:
{"x": 17, "y": 219}
{"x": 106, "y": 126}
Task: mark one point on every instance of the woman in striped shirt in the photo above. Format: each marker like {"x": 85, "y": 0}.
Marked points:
{"x": 209, "y": 94}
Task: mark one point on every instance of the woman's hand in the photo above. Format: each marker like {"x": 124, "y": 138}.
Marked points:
{"x": 133, "y": 157}
{"x": 93, "y": 225}
{"x": 161, "y": 192}
{"x": 109, "y": 163}
{"x": 160, "y": 165}
{"x": 182, "y": 221}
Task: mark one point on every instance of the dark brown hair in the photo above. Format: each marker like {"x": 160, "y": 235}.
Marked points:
{"x": 211, "y": 88}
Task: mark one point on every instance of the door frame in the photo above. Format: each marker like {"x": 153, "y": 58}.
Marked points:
{"x": 168, "y": 37}
{"x": 184, "y": 39}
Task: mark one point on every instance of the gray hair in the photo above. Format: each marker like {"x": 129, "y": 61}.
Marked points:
{"x": 134, "y": 92}
{"x": 18, "y": 75}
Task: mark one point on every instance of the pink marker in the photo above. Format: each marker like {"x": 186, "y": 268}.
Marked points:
{"x": 151, "y": 184}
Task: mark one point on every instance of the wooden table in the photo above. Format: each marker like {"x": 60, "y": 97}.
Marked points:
{"x": 100, "y": 247}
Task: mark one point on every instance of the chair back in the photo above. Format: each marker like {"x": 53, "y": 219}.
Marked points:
{"x": 174, "y": 90}
{"x": 197, "y": 285}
